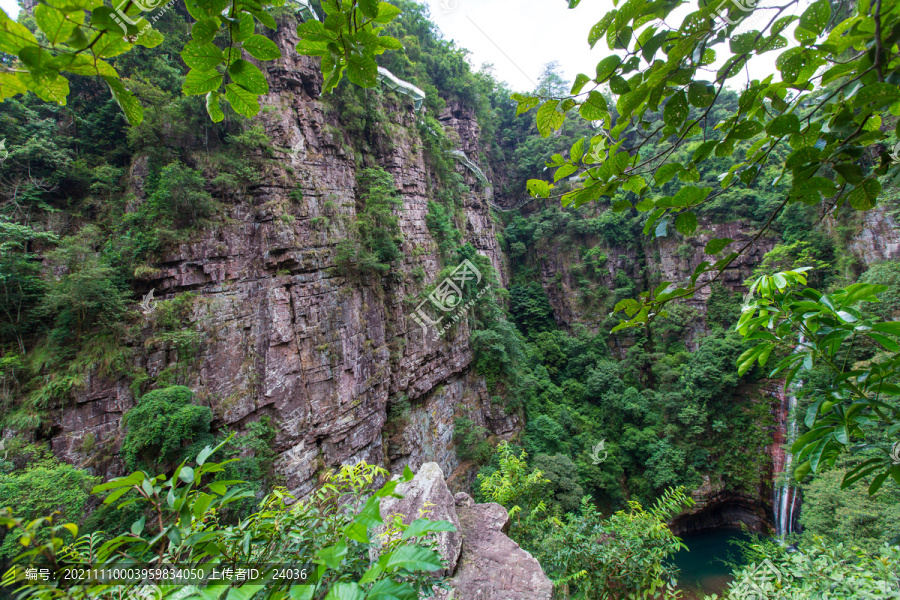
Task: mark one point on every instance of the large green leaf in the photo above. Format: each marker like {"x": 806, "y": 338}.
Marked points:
{"x": 362, "y": 70}
{"x": 548, "y": 118}
{"x": 413, "y": 558}
{"x": 345, "y": 591}
{"x": 864, "y": 195}
{"x": 686, "y": 223}
{"x": 49, "y": 90}
{"x": 595, "y": 107}
{"x": 56, "y": 24}
{"x": 815, "y": 18}
{"x": 391, "y": 590}
{"x": 369, "y": 8}
{"x": 242, "y": 101}
{"x": 386, "y": 13}
{"x": 878, "y": 93}
{"x": 783, "y": 125}
{"x": 701, "y": 94}
{"x": 333, "y": 555}
{"x": 676, "y": 109}
{"x": 248, "y": 76}
{"x": 606, "y": 67}
{"x": 203, "y": 57}
{"x": 215, "y": 113}
{"x": 423, "y": 526}
{"x": 11, "y": 85}
{"x": 205, "y": 30}
{"x": 200, "y": 82}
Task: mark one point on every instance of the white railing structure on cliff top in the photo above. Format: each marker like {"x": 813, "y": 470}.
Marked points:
{"x": 397, "y": 85}
{"x": 306, "y": 11}
{"x": 461, "y": 157}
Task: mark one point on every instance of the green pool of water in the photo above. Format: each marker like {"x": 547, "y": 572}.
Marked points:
{"x": 703, "y": 565}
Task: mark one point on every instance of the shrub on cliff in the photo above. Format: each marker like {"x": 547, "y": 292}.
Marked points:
{"x": 309, "y": 549}
{"x": 164, "y": 428}
{"x": 36, "y": 484}
{"x": 819, "y": 571}
{"x": 586, "y": 555}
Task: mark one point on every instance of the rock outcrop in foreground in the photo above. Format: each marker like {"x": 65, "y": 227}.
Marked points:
{"x": 483, "y": 563}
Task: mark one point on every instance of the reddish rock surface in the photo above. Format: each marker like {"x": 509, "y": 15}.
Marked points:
{"x": 282, "y": 333}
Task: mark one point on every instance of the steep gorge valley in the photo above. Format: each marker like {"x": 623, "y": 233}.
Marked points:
{"x": 290, "y": 258}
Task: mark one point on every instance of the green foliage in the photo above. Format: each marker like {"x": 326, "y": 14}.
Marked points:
{"x": 856, "y": 412}
{"x": 67, "y": 42}
{"x": 21, "y": 287}
{"x": 440, "y": 224}
{"x": 164, "y": 428}
{"x": 805, "y": 126}
{"x": 820, "y": 570}
{"x": 471, "y": 440}
{"x": 888, "y": 275}
{"x": 723, "y": 307}
{"x": 378, "y": 240}
{"x": 331, "y": 530}
{"x": 88, "y": 291}
{"x": 530, "y": 307}
{"x": 562, "y": 475}
{"x": 626, "y": 556}
{"x": 587, "y": 556}
{"x": 349, "y": 40}
{"x": 516, "y": 486}
{"x": 35, "y": 484}
{"x": 849, "y": 516}
{"x": 180, "y": 199}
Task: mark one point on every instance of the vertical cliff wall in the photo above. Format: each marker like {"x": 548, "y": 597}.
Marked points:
{"x": 284, "y": 333}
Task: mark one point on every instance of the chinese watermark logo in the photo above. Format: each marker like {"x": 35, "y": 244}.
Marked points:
{"x": 596, "y": 450}
{"x": 895, "y": 155}
{"x": 756, "y": 592}
{"x": 149, "y": 591}
{"x": 743, "y": 5}
{"x": 449, "y": 5}
{"x": 296, "y": 149}
{"x": 895, "y": 453}
{"x": 447, "y": 298}
{"x": 118, "y": 15}
{"x": 148, "y": 304}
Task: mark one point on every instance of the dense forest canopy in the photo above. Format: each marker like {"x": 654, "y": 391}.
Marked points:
{"x": 129, "y": 136}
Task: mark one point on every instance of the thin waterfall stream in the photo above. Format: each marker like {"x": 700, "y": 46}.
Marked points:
{"x": 784, "y": 494}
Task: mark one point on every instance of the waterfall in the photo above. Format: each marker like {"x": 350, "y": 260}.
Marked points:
{"x": 784, "y": 494}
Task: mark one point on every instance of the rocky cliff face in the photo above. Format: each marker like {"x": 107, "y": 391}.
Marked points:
{"x": 282, "y": 333}
{"x": 671, "y": 258}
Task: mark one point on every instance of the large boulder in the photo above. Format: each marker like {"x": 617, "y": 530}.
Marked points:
{"x": 492, "y": 566}
{"x": 428, "y": 493}
{"x": 483, "y": 563}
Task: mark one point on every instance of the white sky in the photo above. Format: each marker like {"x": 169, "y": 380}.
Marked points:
{"x": 10, "y": 7}
{"x": 520, "y": 36}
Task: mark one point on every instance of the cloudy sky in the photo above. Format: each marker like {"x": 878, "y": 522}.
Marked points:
{"x": 520, "y": 36}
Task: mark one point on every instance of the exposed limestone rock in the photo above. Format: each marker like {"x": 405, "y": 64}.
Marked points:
{"x": 282, "y": 333}
{"x": 492, "y": 566}
{"x": 427, "y": 496}
{"x": 484, "y": 563}
{"x": 878, "y": 237}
